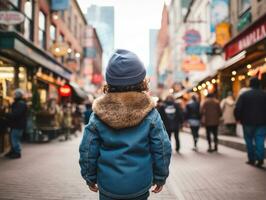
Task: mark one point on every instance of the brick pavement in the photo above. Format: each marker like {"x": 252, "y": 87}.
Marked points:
{"x": 51, "y": 171}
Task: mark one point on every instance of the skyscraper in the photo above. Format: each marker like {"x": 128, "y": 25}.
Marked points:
{"x": 151, "y": 72}
{"x": 102, "y": 19}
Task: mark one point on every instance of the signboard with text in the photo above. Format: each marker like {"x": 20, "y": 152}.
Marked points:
{"x": 250, "y": 36}
{"x": 11, "y": 17}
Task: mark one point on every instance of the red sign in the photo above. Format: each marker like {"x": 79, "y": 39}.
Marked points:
{"x": 11, "y": 17}
{"x": 65, "y": 91}
{"x": 247, "y": 38}
{"x": 97, "y": 79}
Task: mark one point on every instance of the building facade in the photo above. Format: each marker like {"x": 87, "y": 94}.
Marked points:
{"x": 102, "y": 19}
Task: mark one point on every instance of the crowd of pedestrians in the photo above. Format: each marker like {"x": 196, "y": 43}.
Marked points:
{"x": 248, "y": 109}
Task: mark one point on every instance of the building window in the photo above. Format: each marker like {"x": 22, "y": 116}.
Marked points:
{"x": 243, "y": 6}
{"x": 70, "y": 18}
{"x": 61, "y": 39}
{"x": 42, "y": 30}
{"x": 75, "y": 26}
{"x": 28, "y": 22}
{"x": 52, "y": 34}
{"x": 15, "y": 3}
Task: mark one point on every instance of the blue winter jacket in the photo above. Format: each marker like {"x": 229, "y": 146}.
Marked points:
{"x": 125, "y": 148}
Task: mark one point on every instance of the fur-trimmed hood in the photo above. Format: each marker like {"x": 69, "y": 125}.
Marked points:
{"x": 123, "y": 110}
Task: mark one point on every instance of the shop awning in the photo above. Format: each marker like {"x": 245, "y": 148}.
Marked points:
{"x": 17, "y": 48}
{"x": 79, "y": 95}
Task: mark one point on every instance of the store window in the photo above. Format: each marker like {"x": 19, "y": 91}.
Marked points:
{"x": 243, "y": 6}
{"x": 42, "y": 30}
{"x": 52, "y": 34}
{"x": 28, "y": 22}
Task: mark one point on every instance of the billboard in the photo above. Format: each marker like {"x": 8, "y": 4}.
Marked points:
{"x": 57, "y": 5}
{"x": 219, "y": 12}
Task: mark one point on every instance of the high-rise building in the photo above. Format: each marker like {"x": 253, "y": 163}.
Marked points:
{"x": 102, "y": 19}
{"x": 151, "y": 72}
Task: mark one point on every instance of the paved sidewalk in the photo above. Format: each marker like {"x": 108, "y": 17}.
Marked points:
{"x": 51, "y": 171}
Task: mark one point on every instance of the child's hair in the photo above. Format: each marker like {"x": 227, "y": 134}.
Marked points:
{"x": 139, "y": 87}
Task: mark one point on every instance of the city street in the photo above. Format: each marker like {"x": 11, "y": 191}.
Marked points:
{"x": 51, "y": 171}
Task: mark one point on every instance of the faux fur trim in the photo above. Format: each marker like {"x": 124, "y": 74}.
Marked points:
{"x": 123, "y": 110}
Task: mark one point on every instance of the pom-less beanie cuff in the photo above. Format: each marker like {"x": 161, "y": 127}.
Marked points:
{"x": 124, "y": 81}
{"x": 124, "y": 68}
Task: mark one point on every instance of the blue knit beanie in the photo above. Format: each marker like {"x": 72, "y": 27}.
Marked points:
{"x": 124, "y": 68}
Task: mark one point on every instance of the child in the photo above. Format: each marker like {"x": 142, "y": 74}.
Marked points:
{"x": 125, "y": 148}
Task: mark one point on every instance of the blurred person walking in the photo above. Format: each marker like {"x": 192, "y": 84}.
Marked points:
{"x": 17, "y": 120}
{"x": 172, "y": 117}
{"x": 77, "y": 120}
{"x": 210, "y": 118}
{"x": 87, "y": 112}
{"x": 250, "y": 111}
{"x": 192, "y": 116}
{"x": 67, "y": 120}
{"x": 228, "y": 106}
{"x": 125, "y": 148}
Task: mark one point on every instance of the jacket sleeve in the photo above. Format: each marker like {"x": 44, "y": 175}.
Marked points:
{"x": 238, "y": 108}
{"x": 89, "y": 153}
{"x": 160, "y": 149}
{"x": 17, "y": 111}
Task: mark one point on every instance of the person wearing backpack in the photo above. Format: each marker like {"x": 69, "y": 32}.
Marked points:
{"x": 172, "y": 117}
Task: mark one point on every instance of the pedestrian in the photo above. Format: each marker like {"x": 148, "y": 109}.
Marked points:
{"x": 192, "y": 116}
{"x": 17, "y": 120}
{"x": 210, "y": 118}
{"x": 250, "y": 111}
{"x": 228, "y": 106}
{"x": 125, "y": 149}
{"x": 67, "y": 120}
{"x": 172, "y": 117}
{"x": 77, "y": 120}
{"x": 87, "y": 112}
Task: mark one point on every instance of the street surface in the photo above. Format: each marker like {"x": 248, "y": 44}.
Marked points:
{"x": 51, "y": 171}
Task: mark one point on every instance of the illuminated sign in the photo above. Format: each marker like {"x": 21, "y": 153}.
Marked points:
{"x": 65, "y": 91}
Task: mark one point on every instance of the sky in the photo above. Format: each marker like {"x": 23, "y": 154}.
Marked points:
{"x": 133, "y": 19}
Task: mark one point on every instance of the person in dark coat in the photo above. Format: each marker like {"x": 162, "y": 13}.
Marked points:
{"x": 250, "y": 111}
{"x": 172, "y": 117}
{"x": 192, "y": 115}
{"x": 211, "y": 113}
{"x": 17, "y": 120}
{"x": 87, "y": 113}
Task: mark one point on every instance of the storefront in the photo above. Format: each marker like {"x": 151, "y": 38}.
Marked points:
{"x": 245, "y": 57}
{"x": 23, "y": 65}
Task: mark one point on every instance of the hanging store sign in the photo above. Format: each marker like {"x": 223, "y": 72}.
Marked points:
{"x": 11, "y": 17}
{"x": 193, "y": 63}
{"x": 198, "y": 50}
{"x": 57, "y": 5}
{"x": 223, "y": 35}
{"x": 219, "y": 12}
{"x": 192, "y": 37}
{"x": 249, "y": 37}
{"x": 65, "y": 91}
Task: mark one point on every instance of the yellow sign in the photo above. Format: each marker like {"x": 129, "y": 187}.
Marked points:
{"x": 59, "y": 49}
{"x": 222, "y": 33}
